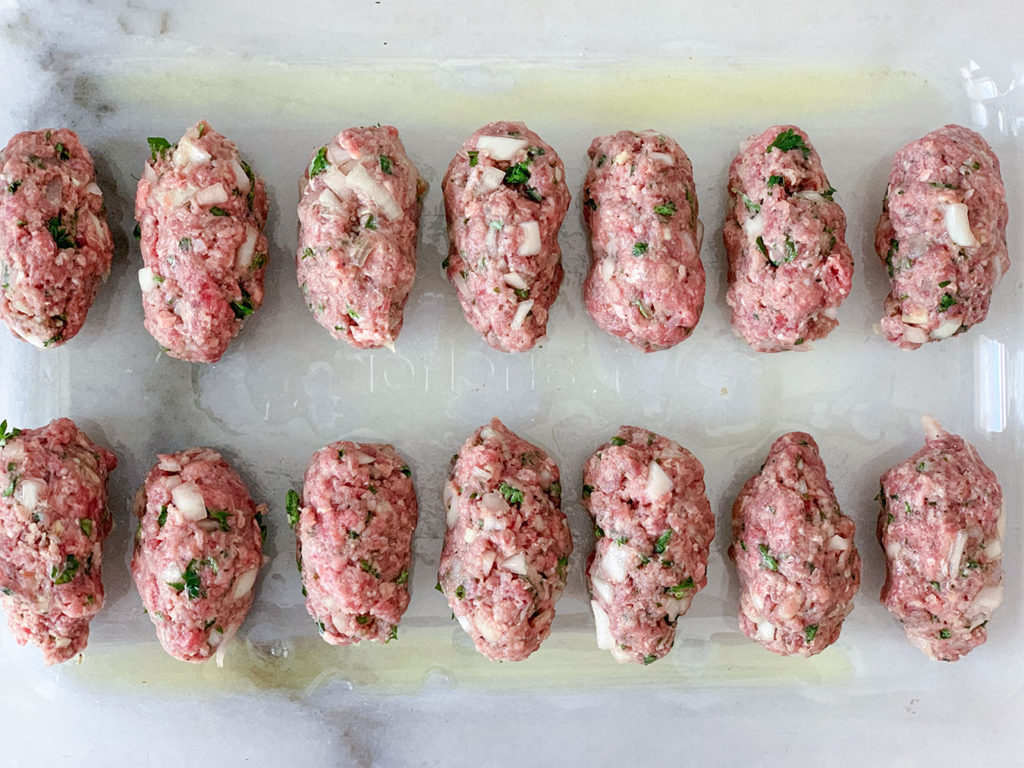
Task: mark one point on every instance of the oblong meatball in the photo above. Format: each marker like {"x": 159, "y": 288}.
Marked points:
{"x": 507, "y": 542}
{"x": 355, "y": 523}
{"x": 798, "y": 566}
{"x": 789, "y": 265}
{"x": 941, "y": 526}
{"x": 201, "y": 213}
{"x": 198, "y": 551}
{"x": 505, "y": 198}
{"x": 654, "y": 527}
{"x": 358, "y": 218}
{"x": 646, "y": 279}
{"x": 55, "y": 247}
{"x": 53, "y": 520}
{"x": 941, "y": 236}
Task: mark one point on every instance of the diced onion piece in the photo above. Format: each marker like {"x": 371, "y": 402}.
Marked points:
{"x": 486, "y": 433}
{"x": 932, "y": 429}
{"x": 699, "y": 234}
{"x": 989, "y": 598}
{"x": 914, "y": 335}
{"x": 211, "y": 195}
{"x": 947, "y": 329}
{"x": 753, "y": 227}
{"x": 361, "y": 181}
{"x": 956, "y": 553}
{"x": 607, "y": 269}
{"x": 175, "y": 198}
{"x": 364, "y": 458}
{"x": 602, "y": 624}
{"x": 189, "y": 501}
{"x": 30, "y": 491}
{"x": 810, "y": 195}
{"x": 488, "y": 629}
{"x": 958, "y": 226}
{"x": 614, "y": 561}
{"x": 93, "y": 189}
{"x": 516, "y": 281}
{"x": 530, "y": 245}
{"x": 241, "y": 178}
{"x": 336, "y": 182}
{"x": 452, "y": 503}
{"x": 917, "y": 316}
{"x": 893, "y": 549}
{"x": 222, "y": 644}
{"x": 494, "y": 502}
{"x": 994, "y": 549}
{"x": 480, "y": 474}
{"x": 677, "y": 606}
{"x": 487, "y": 561}
{"x": 330, "y": 201}
{"x": 188, "y": 153}
{"x": 500, "y": 147}
{"x": 765, "y": 631}
{"x": 658, "y": 482}
{"x": 602, "y": 588}
{"x": 245, "y": 582}
{"x": 464, "y": 623}
{"x": 469, "y": 536}
{"x": 662, "y": 157}
{"x": 147, "y": 280}
{"x": 516, "y": 563}
{"x": 489, "y": 180}
{"x": 494, "y": 524}
{"x": 837, "y": 543}
{"x": 521, "y": 312}
{"x": 246, "y": 250}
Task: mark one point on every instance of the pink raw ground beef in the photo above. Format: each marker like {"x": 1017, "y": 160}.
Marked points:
{"x": 507, "y": 542}
{"x": 201, "y": 213}
{"x": 354, "y": 540}
{"x": 798, "y": 566}
{"x": 942, "y": 236}
{"x": 941, "y": 526}
{"x": 789, "y": 265}
{"x": 53, "y": 520}
{"x": 55, "y": 247}
{"x": 198, "y": 550}
{"x": 646, "y": 280}
{"x": 505, "y": 198}
{"x": 358, "y": 219}
{"x": 654, "y": 526}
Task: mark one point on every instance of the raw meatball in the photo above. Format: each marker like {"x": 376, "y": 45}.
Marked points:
{"x": 354, "y": 540}
{"x": 789, "y": 265}
{"x": 201, "y": 213}
{"x": 55, "y": 247}
{"x": 654, "y": 526}
{"x": 507, "y": 543}
{"x": 505, "y": 198}
{"x": 646, "y": 280}
{"x": 198, "y": 550}
{"x": 358, "y": 217}
{"x": 941, "y": 527}
{"x": 942, "y": 236}
{"x": 798, "y": 565}
{"x": 53, "y": 520}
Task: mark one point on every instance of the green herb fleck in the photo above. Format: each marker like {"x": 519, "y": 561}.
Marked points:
{"x": 945, "y": 634}
{"x": 157, "y": 147}
{"x": 385, "y": 164}
{"x": 60, "y": 233}
{"x": 598, "y": 532}
{"x": 9, "y": 490}
{"x": 474, "y": 158}
{"x": 946, "y": 302}
{"x": 86, "y": 525}
{"x": 618, "y": 440}
{"x": 790, "y": 249}
{"x": 137, "y": 231}
{"x": 680, "y": 589}
{"x": 639, "y": 249}
{"x": 162, "y": 517}
{"x": 767, "y": 561}
{"x": 643, "y": 309}
{"x": 351, "y": 312}
{"x": 13, "y": 186}
{"x": 517, "y": 174}
{"x": 587, "y": 490}
{"x": 662, "y": 542}
{"x": 512, "y": 495}
{"x": 319, "y": 163}
{"x": 371, "y": 223}
{"x": 563, "y": 564}
{"x": 243, "y": 307}
{"x": 775, "y": 180}
{"x": 750, "y": 205}
{"x": 789, "y": 140}
{"x": 221, "y": 516}
{"x": 403, "y": 578}
{"x": 936, "y": 586}
{"x": 262, "y": 526}
{"x": 291, "y": 503}
{"x": 366, "y": 565}
{"x": 460, "y": 592}
{"x": 894, "y": 248}
{"x": 62, "y": 151}
{"x": 446, "y": 263}
{"x": 406, "y": 471}
{"x": 67, "y": 573}
{"x": 828, "y": 193}
{"x": 667, "y": 208}
{"x": 590, "y": 203}
{"x": 216, "y": 210}
{"x": 810, "y": 631}
{"x": 5, "y": 435}
{"x": 650, "y": 659}
{"x": 601, "y": 160}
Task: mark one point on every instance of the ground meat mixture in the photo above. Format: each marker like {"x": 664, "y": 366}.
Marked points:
{"x": 201, "y": 213}
{"x": 941, "y": 526}
{"x": 53, "y": 520}
{"x": 942, "y": 236}
{"x": 794, "y": 550}
{"x": 789, "y": 265}
{"x": 507, "y": 542}
{"x": 198, "y": 550}
{"x": 55, "y": 247}
{"x": 646, "y": 280}
{"x": 355, "y": 522}
{"x": 654, "y": 526}
{"x": 358, "y": 219}
{"x": 505, "y": 197}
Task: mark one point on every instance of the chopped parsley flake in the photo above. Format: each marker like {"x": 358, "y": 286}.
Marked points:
{"x": 946, "y": 302}
{"x": 587, "y": 490}
{"x": 406, "y": 471}
{"x": 162, "y": 517}
{"x": 680, "y": 589}
{"x": 474, "y": 158}
{"x": 13, "y": 186}
{"x": 945, "y": 634}
{"x": 5, "y": 435}
{"x": 385, "y": 164}
{"x": 517, "y": 174}
{"x": 221, "y": 516}
{"x": 366, "y": 565}
{"x": 618, "y": 440}
{"x": 86, "y": 525}
{"x": 243, "y": 307}
{"x": 774, "y": 180}
{"x": 460, "y": 591}
{"x": 512, "y": 495}
{"x": 157, "y": 147}
{"x": 810, "y": 632}
{"x": 767, "y": 561}
{"x": 319, "y": 163}
{"x": 291, "y": 502}
{"x": 789, "y": 140}
{"x": 67, "y": 573}
{"x": 667, "y": 208}
{"x": 216, "y": 210}
{"x": 650, "y": 659}
{"x": 639, "y": 249}
{"x": 403, "y": 577}
{"x": 60, "y": 233}
{"x": 662, "y": 542}
{"x": 371, "y": 223}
